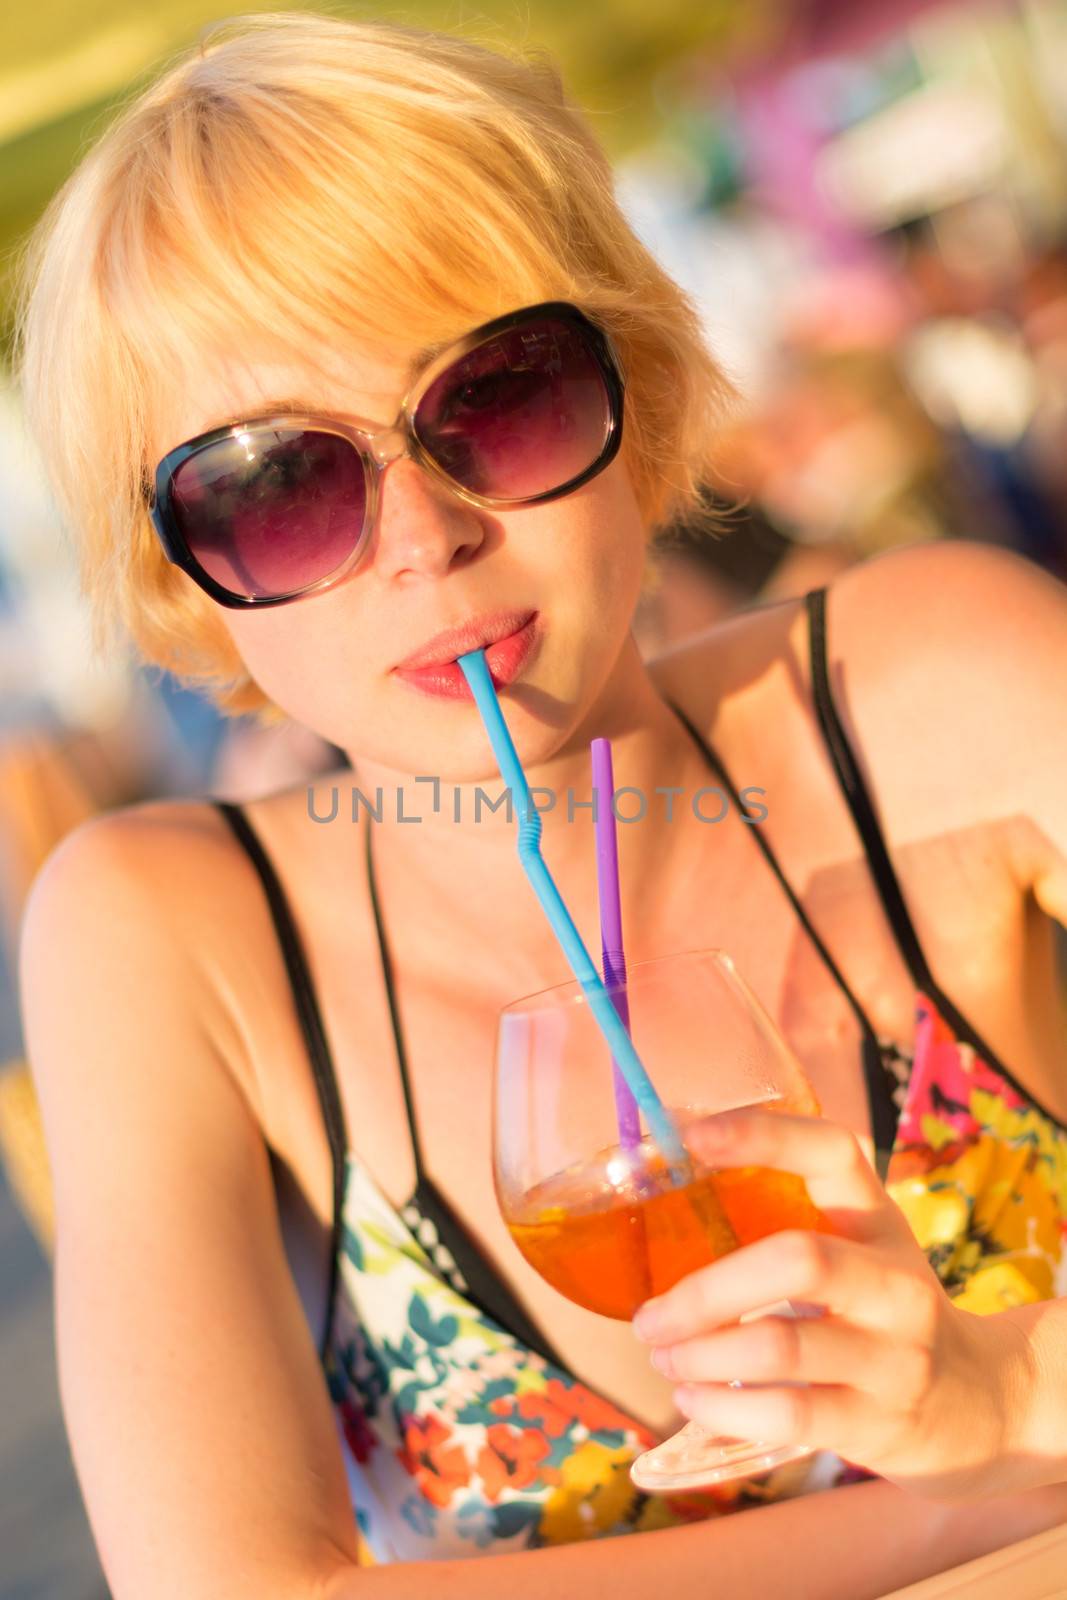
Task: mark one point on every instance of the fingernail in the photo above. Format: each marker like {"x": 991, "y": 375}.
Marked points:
{"x": 648, "y": 1320}
{"x": 660, "y": 1358}
{"x": 684, "y": 1398}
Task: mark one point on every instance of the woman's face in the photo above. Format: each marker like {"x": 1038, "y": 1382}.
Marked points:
{"x": 434, "y": 562}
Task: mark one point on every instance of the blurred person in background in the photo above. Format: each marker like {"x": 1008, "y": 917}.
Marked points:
{"x": 1042, "y": 303}
{"x": 982, "y": 358}
{"x": 287, "y": 233}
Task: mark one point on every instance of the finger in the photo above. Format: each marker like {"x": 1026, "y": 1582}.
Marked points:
{"x": 849, "y": 1279}
{"x": 822, "y": 1415}
{"x": 779, "y": 1350}
{"x": 839, "y": 1178}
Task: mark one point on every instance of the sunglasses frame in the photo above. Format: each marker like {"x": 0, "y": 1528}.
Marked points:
{"x": 370, "y": 443}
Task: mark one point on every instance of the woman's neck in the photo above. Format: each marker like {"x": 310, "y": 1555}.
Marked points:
{"x": 457, "y": 865}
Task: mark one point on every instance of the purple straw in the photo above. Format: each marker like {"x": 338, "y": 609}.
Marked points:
{"x": 607, "y": 869}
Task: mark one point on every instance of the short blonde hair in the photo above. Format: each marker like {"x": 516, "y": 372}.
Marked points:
{"x": 253, "y": 189}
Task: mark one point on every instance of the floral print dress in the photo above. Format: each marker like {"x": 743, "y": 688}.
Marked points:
{"x": 460, "y": 1441}
{"x": 980, "y": 1172}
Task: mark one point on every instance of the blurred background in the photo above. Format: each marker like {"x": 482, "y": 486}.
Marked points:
{"x": 868, "y": 203}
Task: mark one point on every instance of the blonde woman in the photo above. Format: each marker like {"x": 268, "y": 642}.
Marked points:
{"x": 343, "y": 360}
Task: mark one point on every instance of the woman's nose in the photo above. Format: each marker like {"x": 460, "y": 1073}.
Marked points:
{"x": 423, "y": 528}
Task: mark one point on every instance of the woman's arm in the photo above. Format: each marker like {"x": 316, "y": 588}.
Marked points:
{"x": 854, "y": 1543}
{"x": 199, "y": 1422}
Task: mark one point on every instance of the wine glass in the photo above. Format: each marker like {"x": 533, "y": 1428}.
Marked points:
{"x": 590, "y": 1200}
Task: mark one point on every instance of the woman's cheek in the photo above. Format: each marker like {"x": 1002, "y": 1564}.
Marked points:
{"x": 311, "y": 661}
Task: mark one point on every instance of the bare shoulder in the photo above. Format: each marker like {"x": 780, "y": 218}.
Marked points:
{"x": 152, "y": 903}
{"x": 155, "y": 845}
{"x": 949, "y": 659}
{"x": 954, "y": 613}
{"x": 177, "y": 853}
{"x": 946, "y": 663}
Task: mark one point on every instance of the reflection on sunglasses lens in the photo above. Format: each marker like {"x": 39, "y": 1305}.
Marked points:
{"x": 520, "y": 415}
{"x": 268, "y": 513}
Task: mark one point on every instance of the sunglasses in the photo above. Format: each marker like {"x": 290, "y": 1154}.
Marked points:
{"x": 524, "y": 409}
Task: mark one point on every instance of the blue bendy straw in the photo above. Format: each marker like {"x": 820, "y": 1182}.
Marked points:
{"x": 619, "y": 1042}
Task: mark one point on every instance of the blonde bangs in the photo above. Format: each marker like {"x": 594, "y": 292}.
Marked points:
{"x": 304, "y": 183}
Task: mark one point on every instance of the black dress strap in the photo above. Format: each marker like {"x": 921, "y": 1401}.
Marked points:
{"x": 311, "y": 1025}
{"x": 885, "y": 878}
{"x": 855, "y": 792}
{"x": 394, "y": 1010}
{"x": 881, "y": 1107}
{"x": 485, "y": 1286}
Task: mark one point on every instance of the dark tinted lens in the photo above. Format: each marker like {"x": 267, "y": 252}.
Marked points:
{"x": 524, "y": 413}
{"x": 266, "y": 512}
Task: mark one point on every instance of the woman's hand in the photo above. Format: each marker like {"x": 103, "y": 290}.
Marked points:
{"x": 894, "y": 1377}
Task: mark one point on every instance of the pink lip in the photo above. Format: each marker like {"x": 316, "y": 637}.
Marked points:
{"x": 484, "y": 629}
{"x": 509, "y": 640}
